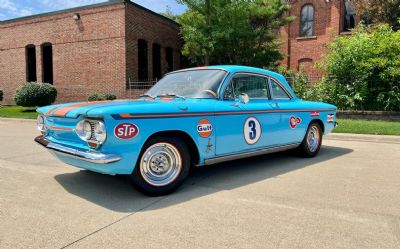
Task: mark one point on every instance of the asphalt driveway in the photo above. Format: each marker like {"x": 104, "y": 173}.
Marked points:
{"x": 347, "y": 197}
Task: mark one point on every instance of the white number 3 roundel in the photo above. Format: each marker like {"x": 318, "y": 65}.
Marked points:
{"x": 252, "y": 130}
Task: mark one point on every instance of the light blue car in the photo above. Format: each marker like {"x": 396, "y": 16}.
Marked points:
{"x": 192, "y": 117}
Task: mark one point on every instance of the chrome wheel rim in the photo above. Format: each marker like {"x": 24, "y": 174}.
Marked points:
{"x": 160, "y": 164}
{"x": 313, "y": 138}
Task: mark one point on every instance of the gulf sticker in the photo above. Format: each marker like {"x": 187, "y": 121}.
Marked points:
{"x": 314, "y": 114}
{"x": 294, "y": 121}
{"x": 204, "y": 128}
{"x": 126, "y": 131}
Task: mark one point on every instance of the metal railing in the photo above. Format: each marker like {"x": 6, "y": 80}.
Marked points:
{"x": 142, "y": 85}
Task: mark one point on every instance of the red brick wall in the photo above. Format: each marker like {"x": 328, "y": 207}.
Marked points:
{"x": 143, "y": 25}
{"x": 87, "y": 54}
{"x": 96, "y": 54}
{"x": 306, "y": 51}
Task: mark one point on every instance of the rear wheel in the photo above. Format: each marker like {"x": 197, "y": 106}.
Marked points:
{"x": 162, "y": 166}
{"x": 312, "y": 141}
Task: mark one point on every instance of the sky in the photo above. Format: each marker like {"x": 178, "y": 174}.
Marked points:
{"x": 10, "y": 9}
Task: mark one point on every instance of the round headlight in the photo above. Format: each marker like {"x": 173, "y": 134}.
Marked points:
{"x": 41, "y": 124}
{"x": 99, "y": 132}
{"x": 84, "y": 130}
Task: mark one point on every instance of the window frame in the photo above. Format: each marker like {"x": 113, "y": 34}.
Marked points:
{"x": 289, "y": 97}
{"x": 313, "y": 20}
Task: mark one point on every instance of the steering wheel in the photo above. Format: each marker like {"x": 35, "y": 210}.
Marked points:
{"x": 210, "y": 92}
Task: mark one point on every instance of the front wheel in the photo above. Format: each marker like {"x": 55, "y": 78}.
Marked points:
{"x": 162, "y": 166}
{"x": 312, "y": 141}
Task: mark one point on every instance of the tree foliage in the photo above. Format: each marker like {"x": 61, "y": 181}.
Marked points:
{"x": 364, "y": 69}
{"x": 233, "y": 31}
{"x": 380, "y": 11}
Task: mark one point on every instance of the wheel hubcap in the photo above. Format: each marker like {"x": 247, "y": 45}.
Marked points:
{"x": 313, "y": 138}
{"x": 161, "y": 164}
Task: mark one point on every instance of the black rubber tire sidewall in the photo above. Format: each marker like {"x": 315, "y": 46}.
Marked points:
{"x": 140, "y": 184}
{"x": 303, "y": 149}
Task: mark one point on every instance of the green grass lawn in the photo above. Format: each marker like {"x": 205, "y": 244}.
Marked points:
{"x": 367, "y": 127}
{"x": 345, "y": 125}
{"x": 18, "y": 112}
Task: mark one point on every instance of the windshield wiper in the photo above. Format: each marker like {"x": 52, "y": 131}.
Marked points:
{"x": 170, "y": 95}
{"x": 146, "y": 96}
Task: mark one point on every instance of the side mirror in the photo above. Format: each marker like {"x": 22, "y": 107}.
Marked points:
{"x": 243, "y": 99}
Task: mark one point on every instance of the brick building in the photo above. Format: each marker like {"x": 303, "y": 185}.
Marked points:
{"x": 96, "y": 48}
{"x": 317, "y": 23}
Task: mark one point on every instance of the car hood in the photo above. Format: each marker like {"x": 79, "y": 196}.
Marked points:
{"x": 138, "y": 106}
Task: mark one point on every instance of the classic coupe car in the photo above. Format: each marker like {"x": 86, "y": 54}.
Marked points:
{"x": 192, "y": 117}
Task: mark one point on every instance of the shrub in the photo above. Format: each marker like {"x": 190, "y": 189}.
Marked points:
{"x": 100, "y": 97}
{"x": 365, "y": 69}
{"x": 95, "y": 97}
{"x": 35, "y": 94}
{"x": 110, "y": 96}
{"x": 1, "y": 95}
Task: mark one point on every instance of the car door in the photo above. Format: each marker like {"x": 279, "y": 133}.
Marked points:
{"x": 292, "y": 124}
{"x": 242, "y": 127}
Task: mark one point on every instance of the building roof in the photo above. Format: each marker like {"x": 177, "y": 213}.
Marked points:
{"x": 109, "y": 2}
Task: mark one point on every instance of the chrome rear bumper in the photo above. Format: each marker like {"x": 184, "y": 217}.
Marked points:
{"x": 90, "y": 156}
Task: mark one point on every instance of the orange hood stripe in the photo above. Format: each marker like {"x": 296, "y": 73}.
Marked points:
{"x": 51, "y": 110}
{"x": 63, "y": 111}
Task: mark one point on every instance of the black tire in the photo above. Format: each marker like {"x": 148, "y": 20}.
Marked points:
{"x": 173, "y": 146}
{"x": 305, "y": 150}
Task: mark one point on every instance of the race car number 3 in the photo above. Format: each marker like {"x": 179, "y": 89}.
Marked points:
{"x": 252, "y": 130}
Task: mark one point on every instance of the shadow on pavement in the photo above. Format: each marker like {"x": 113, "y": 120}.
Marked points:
{"x": 115, "y": 192}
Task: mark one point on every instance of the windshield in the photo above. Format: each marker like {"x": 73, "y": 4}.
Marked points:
{"x": 202, "y": 83}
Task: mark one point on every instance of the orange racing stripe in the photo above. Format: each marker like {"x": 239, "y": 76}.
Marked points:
{"x": 63, "y": 111}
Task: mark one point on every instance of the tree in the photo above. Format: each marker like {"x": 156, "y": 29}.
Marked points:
{"x": 364, "y": 69}
{"x": 233, "y": 31}
{"x": 380, "y": 11}
{"x": 169, "y": 13}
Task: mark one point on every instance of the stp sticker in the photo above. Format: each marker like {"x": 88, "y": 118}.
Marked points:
{"x": 126, "y": 131}
{"x": 252, "y": 130}
{"x": 294, "y": 121}
{"x": 204, "y": 128}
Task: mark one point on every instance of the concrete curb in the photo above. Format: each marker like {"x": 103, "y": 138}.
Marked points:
{"x": 17, "y": 120}
{"x": 363, "y": 138}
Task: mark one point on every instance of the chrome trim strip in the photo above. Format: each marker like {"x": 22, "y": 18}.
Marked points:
{"x": 89, "y": 156}
{"x": 219, "y": 113}
{"x": 258, "y": 152}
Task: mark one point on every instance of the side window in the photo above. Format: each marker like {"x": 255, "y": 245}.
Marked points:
{"x": 277, "y": 91}
{"x": 252, "y": 85}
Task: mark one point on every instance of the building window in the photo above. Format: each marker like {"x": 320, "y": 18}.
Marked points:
{"x": 30, "y": 53}
{"x": 47, "y": 63}
{"x": 349, "y": 15}
{"x": 156, "y": 61}
{"x": 307, "y": 21}
{"x": 169, "y": 57}
{"x": 142, "y": 60}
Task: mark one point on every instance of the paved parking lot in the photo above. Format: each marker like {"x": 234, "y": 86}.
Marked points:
{"x": 347, "y": 197}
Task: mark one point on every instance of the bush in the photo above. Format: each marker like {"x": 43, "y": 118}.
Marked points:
{"x": 35, "y": 94}
{"x": 1, "y": 95}
{"x": 95, "y": 97}
{"x": 100, "y": 97}
{"x": 110, "y": 96}
{"x": 363, "y": 70}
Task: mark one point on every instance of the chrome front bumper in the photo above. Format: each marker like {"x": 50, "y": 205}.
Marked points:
{"x": 90, "y": 156}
